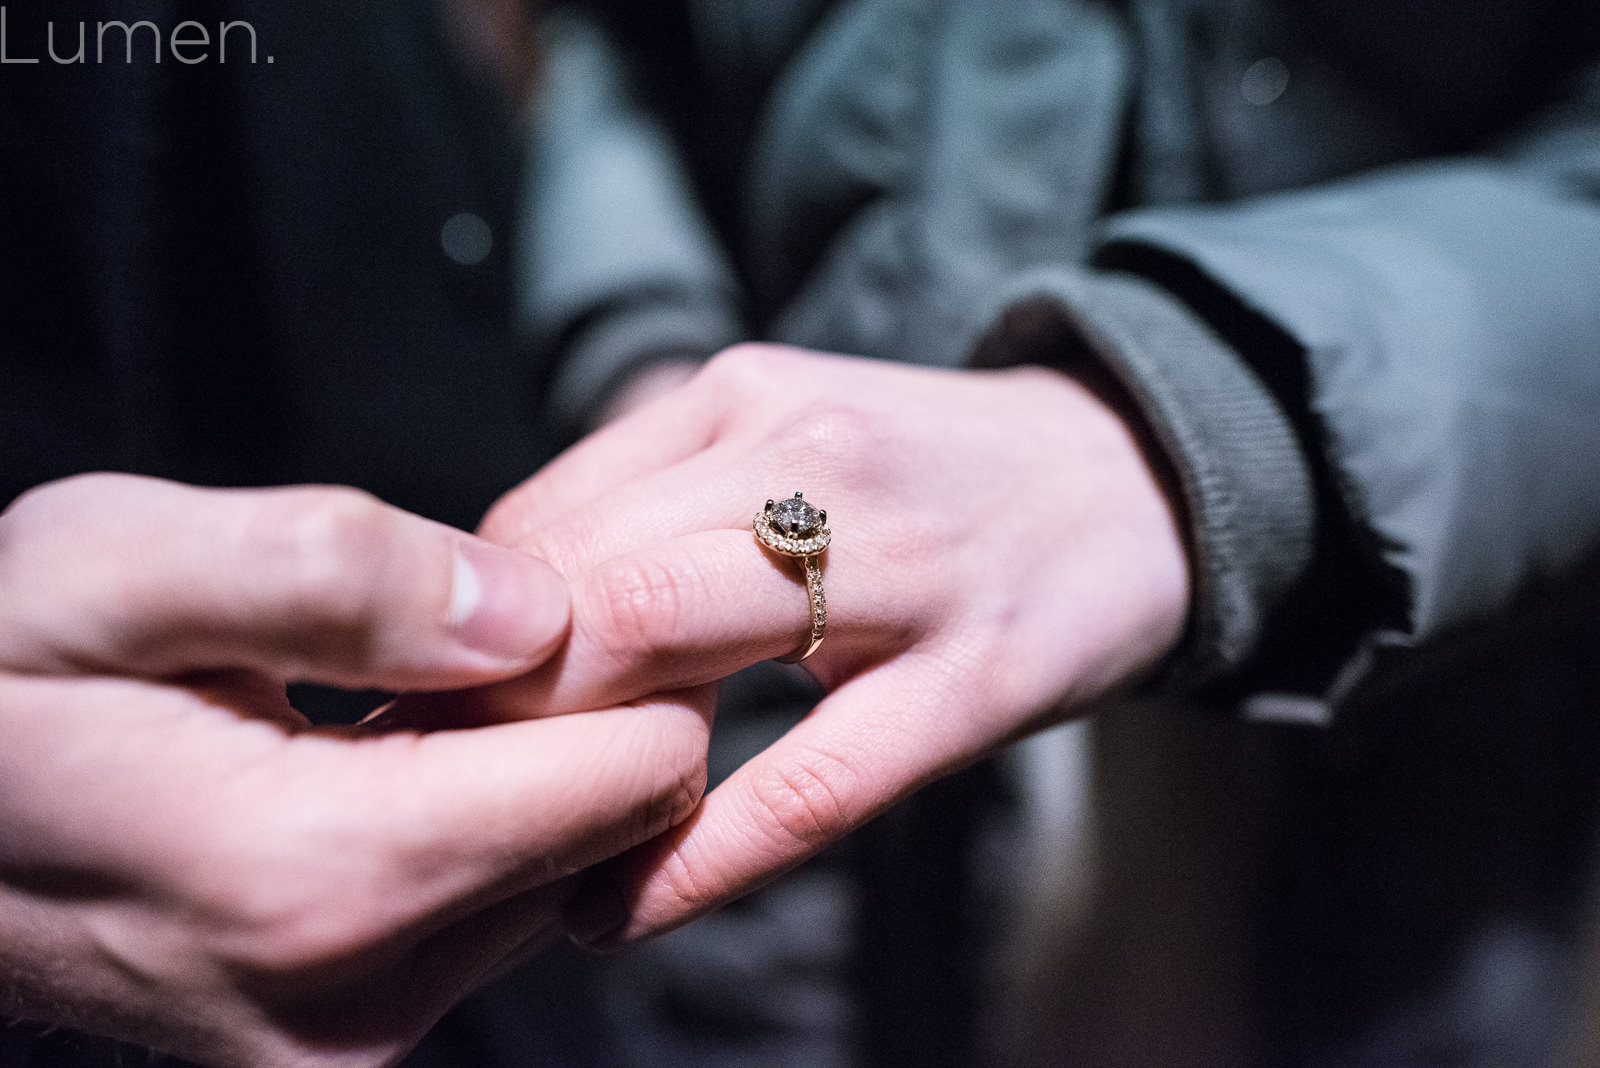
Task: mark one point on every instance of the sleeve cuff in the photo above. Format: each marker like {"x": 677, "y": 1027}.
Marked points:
{"x": 1234, "y": 454}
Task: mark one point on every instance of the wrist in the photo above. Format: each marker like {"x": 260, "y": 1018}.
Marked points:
{"x": 1214, "y": 437}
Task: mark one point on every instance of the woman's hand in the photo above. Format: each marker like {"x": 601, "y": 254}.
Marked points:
{"x": 187, "y": 864}
{"x": 1001, "y": 552}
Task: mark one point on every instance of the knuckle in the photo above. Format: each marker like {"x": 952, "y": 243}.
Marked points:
{"x": 65, "y": 503}
{"x": 260, "y": 920}
{"x": 638, "y": 605}
{"x": 510, "y": 521}
{"x": 660, "y": 767}
{"x": 300, "y": 944}
{"x": 830, "y": 437}
{"x": 672, "y": 802}
{"x": 14, "y": 528}
{"x": 35, "y": 504}
{"x": 270, "y": 918}
{"x": 682, "y": 791}
{"x": 745, "y": 367}
{"x": 805, "y": 798}
{"x": 565, "y": 546}
{"x": 744, "y": 358}
{"x": 63, "y": 575}
{"x": 687, "y": 884}
{"x": 326, "y": 548}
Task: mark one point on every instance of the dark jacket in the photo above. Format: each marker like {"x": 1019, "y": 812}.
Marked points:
{"x": 1346, "y": 258}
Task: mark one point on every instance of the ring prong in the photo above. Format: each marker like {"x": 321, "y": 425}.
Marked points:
{"x": 799, "y": 496}
{"x": 824, "y": 517}
{"x": 771, "y": 505}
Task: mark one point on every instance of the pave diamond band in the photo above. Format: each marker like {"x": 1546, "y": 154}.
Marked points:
{"x": 792, "y": 527}
{"x": 819, "y": 612}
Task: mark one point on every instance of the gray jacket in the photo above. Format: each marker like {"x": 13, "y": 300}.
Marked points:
{"x": 1345, "y": 261}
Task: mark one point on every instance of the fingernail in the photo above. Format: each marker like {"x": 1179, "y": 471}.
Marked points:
{"x": 504, "y": 603}
{"x": 595, "y": 916}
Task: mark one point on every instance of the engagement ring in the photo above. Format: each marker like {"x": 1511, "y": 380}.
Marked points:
{"x": 792, "y": 527}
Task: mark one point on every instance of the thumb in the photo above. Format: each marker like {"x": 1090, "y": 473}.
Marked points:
{"x": 125, "y": 575}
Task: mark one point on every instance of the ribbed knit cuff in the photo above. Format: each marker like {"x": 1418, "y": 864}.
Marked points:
{"x": 1234, "y": 456}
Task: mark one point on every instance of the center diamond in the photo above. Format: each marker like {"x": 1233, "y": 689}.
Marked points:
{"x": 794, "y": 517}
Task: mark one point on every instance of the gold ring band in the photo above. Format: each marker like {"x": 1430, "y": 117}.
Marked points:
{"x": 794, "y": 528}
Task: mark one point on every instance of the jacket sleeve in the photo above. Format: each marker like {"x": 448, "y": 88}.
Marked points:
{"x": 617, "y": 265}
{"x": 1430, "y": 334}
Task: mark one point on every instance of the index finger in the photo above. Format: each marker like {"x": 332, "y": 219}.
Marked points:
{"x": 137, "y": 576}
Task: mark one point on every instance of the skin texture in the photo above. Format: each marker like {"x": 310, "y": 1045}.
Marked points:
{"x": 186, "y": 863}
{"x": 1002, "y": 555}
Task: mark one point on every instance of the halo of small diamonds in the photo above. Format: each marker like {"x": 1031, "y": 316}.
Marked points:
{"x": 806, "y": 534}
{"x": 786, "y": 546}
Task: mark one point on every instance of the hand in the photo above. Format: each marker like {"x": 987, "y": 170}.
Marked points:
{"x": 187, "y": 864}
{"x": 1002, "y": 552}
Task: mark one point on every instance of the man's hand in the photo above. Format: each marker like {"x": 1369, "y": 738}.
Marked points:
{"x": 1001, "y": 551}
{"x": 186, "y": 863}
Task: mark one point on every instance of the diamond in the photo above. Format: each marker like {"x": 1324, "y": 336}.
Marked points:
{"x": 793, "y": 516}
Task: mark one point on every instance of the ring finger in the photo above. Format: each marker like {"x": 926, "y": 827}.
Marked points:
{"x": 696, "y": 608}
